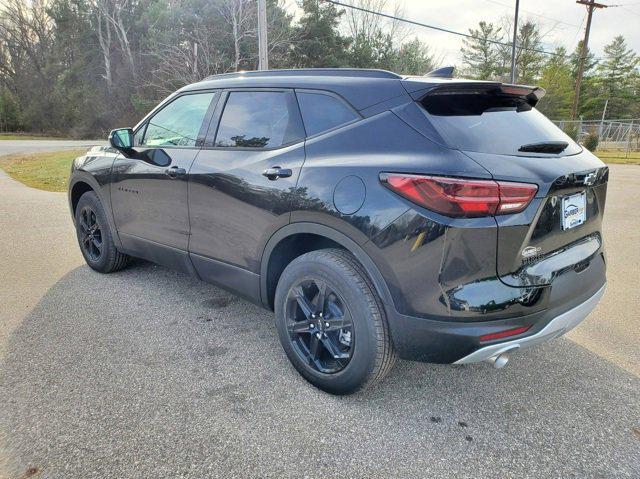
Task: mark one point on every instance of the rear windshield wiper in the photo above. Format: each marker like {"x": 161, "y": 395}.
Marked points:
{"x": 545, "y": 147}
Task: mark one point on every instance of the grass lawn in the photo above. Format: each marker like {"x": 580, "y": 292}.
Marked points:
{"x": 45, "y": 171}
{"x": 20, "y": 136}
{"x": 619, "y": 156}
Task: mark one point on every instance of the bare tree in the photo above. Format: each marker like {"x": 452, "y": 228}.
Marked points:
{"x": 104, "y": 39}
{"x": 115, "y": 18}
{"x": 368, "y": 26}
{"x": 26, "y": 35}
{"x": 29, "y": 62}
{"x": 108, "y": 18}
{"x": 240, "y": 15}
{"x": 193, "y": 59}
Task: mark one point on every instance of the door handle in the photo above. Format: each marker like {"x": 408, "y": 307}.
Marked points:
{"x": 175, "y": 171}
{"x": 276, "y": 172}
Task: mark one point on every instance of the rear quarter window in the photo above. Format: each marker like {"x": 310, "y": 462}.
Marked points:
{"x": 322, "y": 112}
{"x": 491, "y": 123}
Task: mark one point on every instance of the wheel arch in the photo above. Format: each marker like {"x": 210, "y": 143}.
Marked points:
{"x": 81, "y": 182}
{"x": 325, "y": 237}
{"x": 78, "y": 189}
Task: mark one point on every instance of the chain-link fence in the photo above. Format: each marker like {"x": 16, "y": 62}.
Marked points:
{"x": 620, "y": 135}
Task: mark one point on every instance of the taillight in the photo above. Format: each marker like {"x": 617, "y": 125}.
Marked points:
{"x": 515, "y": 197}
{"x": 461, "y": 198}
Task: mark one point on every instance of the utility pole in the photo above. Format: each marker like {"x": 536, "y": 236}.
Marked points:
{"x": 195, "y": 60}
{"x": 513, "y": 46}
{"x": 263, "y": 56}
{"x": 591, "y": 5}
{"x": 604, "y": 113}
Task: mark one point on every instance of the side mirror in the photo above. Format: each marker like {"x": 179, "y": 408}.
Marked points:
{"x": 122, "y": 140}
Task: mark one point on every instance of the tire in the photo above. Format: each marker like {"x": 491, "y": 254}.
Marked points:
{"x": 94, "y": 236}
{"x": 362, "y": 334}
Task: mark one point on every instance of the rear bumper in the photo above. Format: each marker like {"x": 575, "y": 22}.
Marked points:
{"x": 446, "y": 342}
{"x": 557, "y": 327}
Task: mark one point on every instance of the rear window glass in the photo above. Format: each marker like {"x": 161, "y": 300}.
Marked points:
{"x": 323, "y": 112}
{"x": 491, "y": 123}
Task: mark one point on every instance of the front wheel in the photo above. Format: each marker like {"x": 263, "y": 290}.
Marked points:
{"x": 94, "y": 236}
{"x": 331, "y": 322}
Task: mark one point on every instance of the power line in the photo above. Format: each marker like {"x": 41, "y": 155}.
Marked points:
{"x": 453, "y": 32}
{"x": 440, "y": 29}
{"x": 535, "y": 14}
{"x": 627, "y": 9}
{"x": 579, "y": 28}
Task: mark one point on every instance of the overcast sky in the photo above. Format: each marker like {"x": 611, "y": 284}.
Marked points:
{"x": 563, "y": 19}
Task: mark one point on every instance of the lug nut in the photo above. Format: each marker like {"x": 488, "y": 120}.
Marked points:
{"x": 311, "y": 326}
{"x": 326, "y": 325}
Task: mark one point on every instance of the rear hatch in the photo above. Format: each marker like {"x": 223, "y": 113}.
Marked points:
{"x": 497, "y": 126}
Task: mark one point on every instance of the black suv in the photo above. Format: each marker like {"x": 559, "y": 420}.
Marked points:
{"x": 434, "y": 219}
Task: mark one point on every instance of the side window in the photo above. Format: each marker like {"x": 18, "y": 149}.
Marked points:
{"x": 255, "y": 119}
{"x": 178, "y": 124}
{"x": 322, "y": 112}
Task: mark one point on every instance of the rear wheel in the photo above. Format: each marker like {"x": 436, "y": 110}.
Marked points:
{"x": 331, "y": 322}
{"x": 94, "y": 236}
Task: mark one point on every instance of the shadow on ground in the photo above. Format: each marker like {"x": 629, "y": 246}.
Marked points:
{"x": 150, "y": 373}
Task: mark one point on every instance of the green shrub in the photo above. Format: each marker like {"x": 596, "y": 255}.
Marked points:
{"x": 591, "y": 141}
{"x": 572, "y": 131}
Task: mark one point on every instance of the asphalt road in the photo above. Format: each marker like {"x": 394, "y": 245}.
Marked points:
{"x": 150, "y": 373}
{"x": 8, "y": 147}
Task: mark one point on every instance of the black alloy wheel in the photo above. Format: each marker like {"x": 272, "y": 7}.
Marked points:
{"x": 94, "y": 236}
{"x": 91, "y": 234}
{"x": 331, "y": 322}
{"x": 320, "y": 326}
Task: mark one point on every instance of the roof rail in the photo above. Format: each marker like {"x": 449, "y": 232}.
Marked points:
{"x": 344, "y": 72}
{"x": 444, "y": 72}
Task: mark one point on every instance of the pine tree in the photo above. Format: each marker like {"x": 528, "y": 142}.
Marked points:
{"x": 319, "y": 43}
{"x": 590, "y": 102}
{"x": 556, "y": 78}
{"x": 616, "y": 77}
{"x": 480, "y": 55}
{"x": 590, "y": 62}
{"x": 414, "y": 58}
{"x": 528, "y": 60}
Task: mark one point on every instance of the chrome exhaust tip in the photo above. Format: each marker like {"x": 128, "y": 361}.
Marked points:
{"x": 499, "y": 361}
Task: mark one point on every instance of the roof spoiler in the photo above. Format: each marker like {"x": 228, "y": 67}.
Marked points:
{"x": 532, "y": 94}
{"x": 444, "y": 72}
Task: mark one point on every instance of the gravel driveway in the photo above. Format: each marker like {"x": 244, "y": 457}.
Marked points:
{"x": 150, "y": 373}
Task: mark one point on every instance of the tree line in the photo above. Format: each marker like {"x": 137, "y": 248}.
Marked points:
{"x": 611, "y": 81}
{"x": 82, "y": 67}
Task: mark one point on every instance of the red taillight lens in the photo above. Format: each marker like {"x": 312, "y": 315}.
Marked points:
{"x": 504, "y": 334}
{"x": 515, "y": 197}
{"x": 459, "y": 197}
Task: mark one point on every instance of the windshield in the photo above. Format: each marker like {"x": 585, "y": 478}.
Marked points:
{"x": 493, "y": 123}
